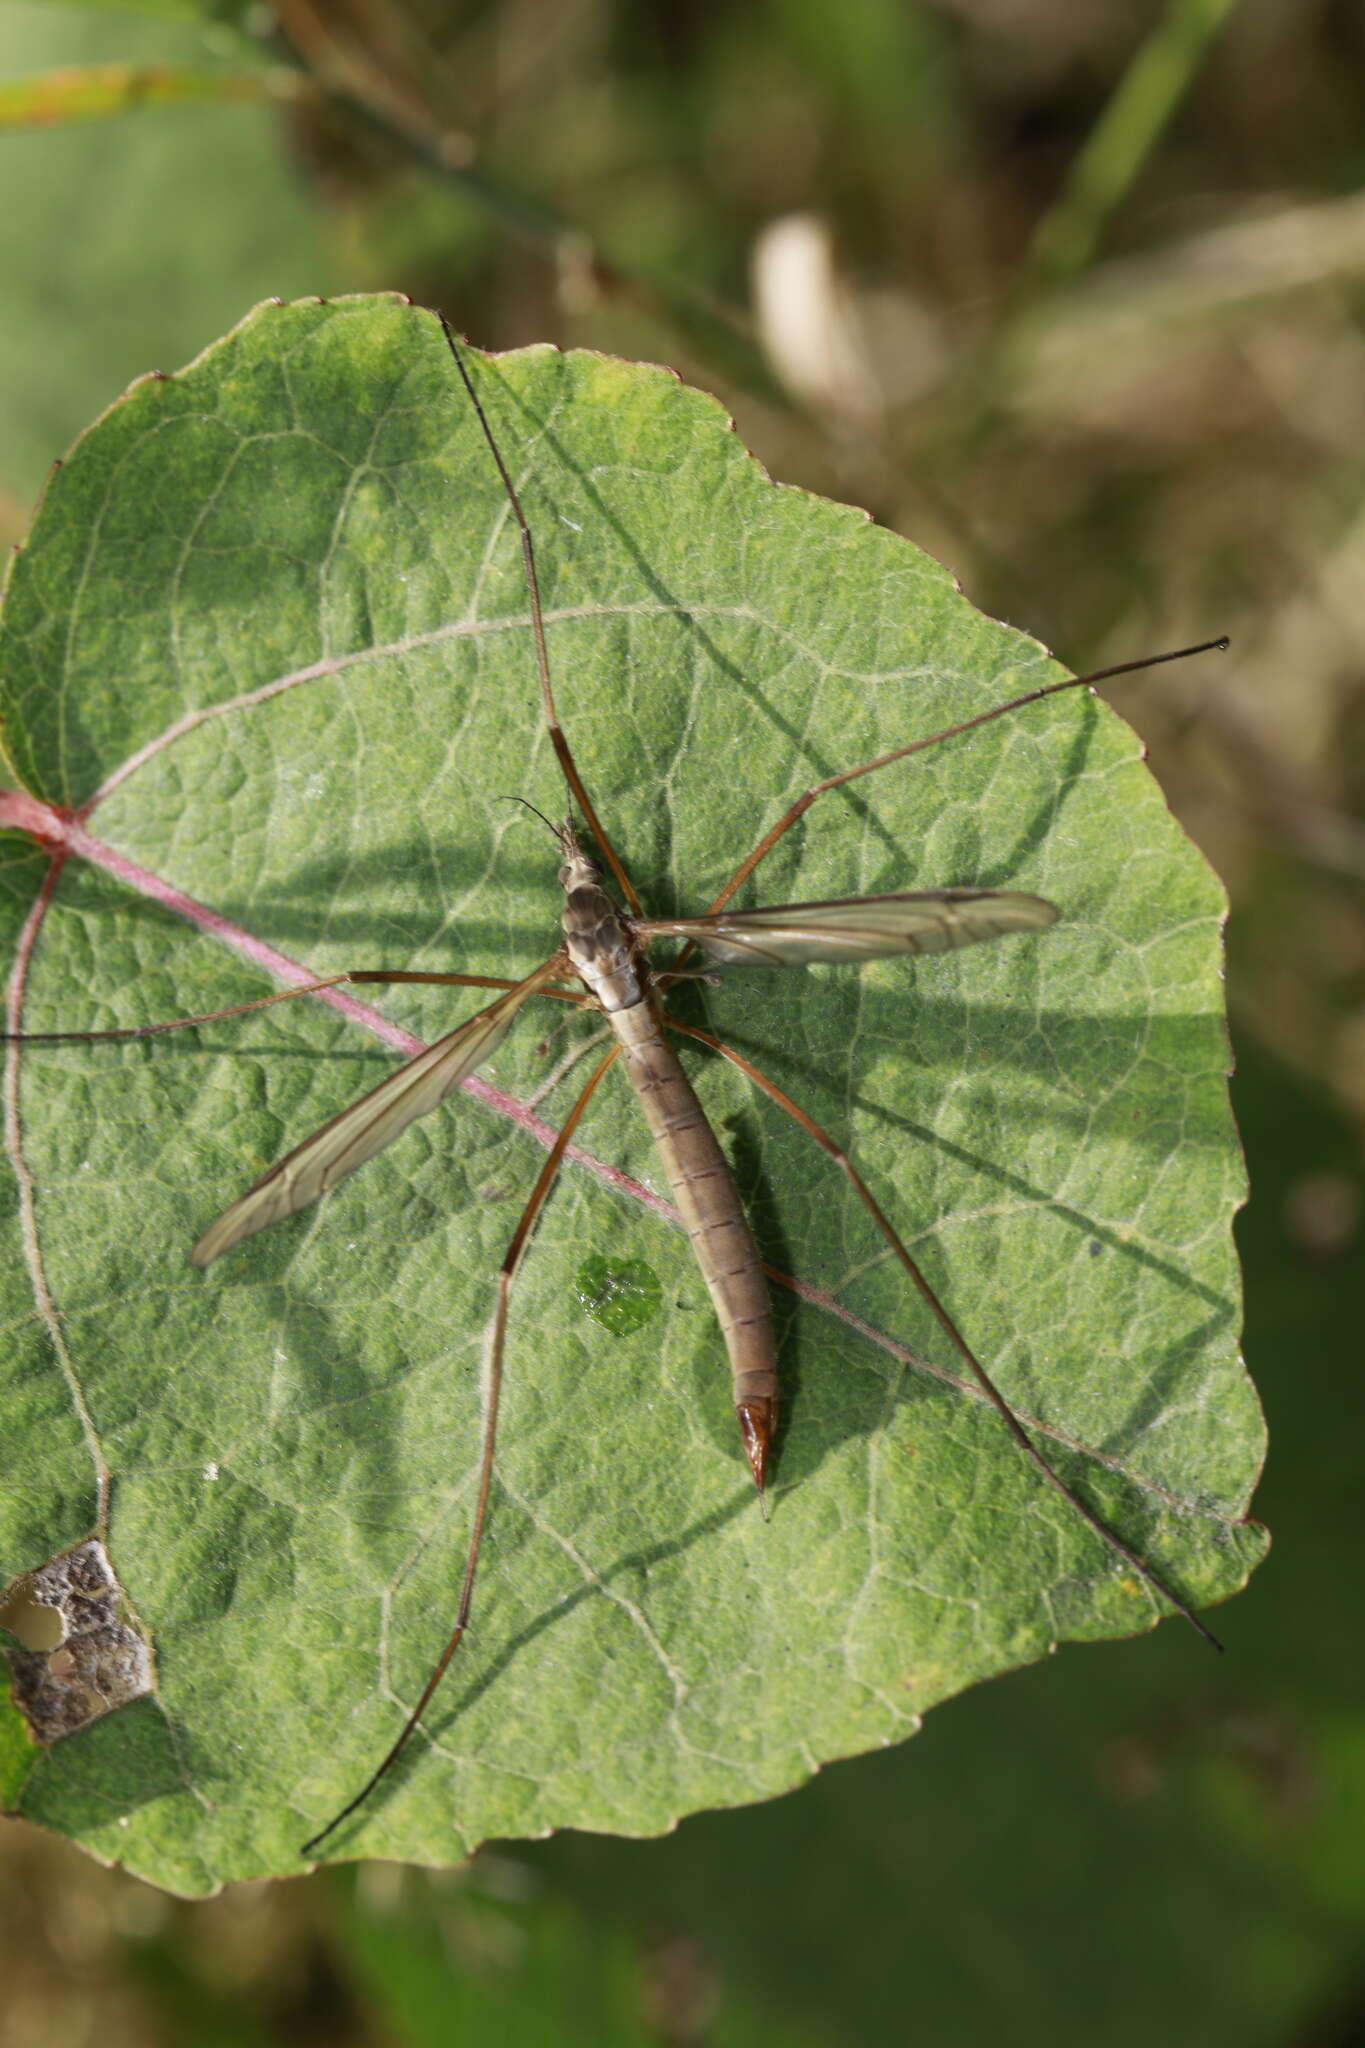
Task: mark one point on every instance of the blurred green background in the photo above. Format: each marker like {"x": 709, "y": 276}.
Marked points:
{"x": 1073, "y": 293}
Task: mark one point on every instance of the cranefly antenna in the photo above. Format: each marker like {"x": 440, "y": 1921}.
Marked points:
{"x": 553, "y": 829}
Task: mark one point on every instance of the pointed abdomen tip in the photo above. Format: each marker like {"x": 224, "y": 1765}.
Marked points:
{"x": 757, "y": 1422}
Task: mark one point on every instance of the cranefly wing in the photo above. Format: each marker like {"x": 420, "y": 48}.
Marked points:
{"x": 858, "y": 928}
{"x": 370, "y": 1124}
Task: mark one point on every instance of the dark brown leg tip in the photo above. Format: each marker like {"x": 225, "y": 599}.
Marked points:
{"x": 757, "y": 1421}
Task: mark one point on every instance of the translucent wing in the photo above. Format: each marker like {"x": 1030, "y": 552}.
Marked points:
{"x": 370, "y": 1124}
{"x": 858, "y": 928}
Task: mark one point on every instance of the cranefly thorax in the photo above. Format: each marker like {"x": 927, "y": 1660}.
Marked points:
{"x": 596, "y": 936}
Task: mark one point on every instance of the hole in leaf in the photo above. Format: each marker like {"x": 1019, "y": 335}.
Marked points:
{"x": 38, "y": 1626}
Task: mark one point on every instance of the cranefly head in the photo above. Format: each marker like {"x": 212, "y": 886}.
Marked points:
{"x": 578, "y": 870}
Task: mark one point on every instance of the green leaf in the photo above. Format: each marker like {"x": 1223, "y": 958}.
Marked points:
{"x": 270, "y": 641}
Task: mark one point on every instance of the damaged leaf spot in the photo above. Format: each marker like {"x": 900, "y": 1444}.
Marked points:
{"x": 79, "y": 1653}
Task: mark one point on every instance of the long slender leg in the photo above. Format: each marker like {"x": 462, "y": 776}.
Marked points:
{"x": 284, "y": 995}
{"x": 561, "y": 995}
{"x": 804, "y": 802}
{"x": 492, "y": 1396}
{"x": 945, "y": 1321}
{"x": 528, "y": 560}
